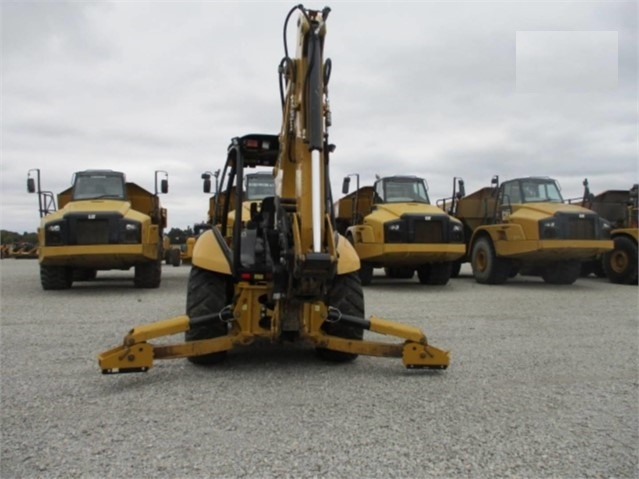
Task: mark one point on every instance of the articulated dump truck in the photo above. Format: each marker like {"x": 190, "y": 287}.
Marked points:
{"x": 392, "y": 225}
{"x": 102, "y": 223}
{"x": 524, "y": 226}
{"x": 257, "y": 186}
{"x": 285, "y": 274}
{"x": 619, "y": 207}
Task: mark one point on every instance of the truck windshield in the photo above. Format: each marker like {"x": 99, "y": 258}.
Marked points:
{"x": 98, "y": 186}
{"x": 404, "y": 190}
{"x": 540, "y": 190}
{"x": 259, "y": 187}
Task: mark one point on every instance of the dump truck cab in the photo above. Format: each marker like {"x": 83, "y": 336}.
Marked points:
{"x": 98, "y": 184}
{"x": 525, "y": 226}
{"x": 256, "y": 187}
{"x": 102, "y": 223}
{"x": 393, "y": 225}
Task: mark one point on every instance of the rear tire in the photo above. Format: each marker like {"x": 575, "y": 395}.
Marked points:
{"x": 438, "y": 274}
{"x": 620, "y": 264}
{"x": 399, "y": 273}
{"x": 365, "y": 273}
{"x": 174, "y": 256}
{"x": 562, "y": 272}
{"x": 56, "y": 277}
{"x": 84, "y": 274}
{"x": 423, "y": 273}
{"x": 207, "y": 293}
{"x": 148, "y": 274}
{"x": 598, "y": 269}
{"x": 487, "y": 267}
{"x": 455, "y": 269}
{"x": 347, "y": 296}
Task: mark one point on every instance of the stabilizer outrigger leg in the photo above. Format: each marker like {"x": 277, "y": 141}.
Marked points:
{"x": 137, "y": 355}
{"x": 415, "y": 351}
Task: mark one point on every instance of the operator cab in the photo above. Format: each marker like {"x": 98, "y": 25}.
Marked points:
{"x": 401, "y": 189}
{"x": 97, "y": 184}
{"x": 254, "y": 245}
{"x": 530, "y": 190}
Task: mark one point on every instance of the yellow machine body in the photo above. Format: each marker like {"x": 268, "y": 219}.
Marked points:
{"x": 392, "y": 225}
{"x": 518, "y": 235}
{"x": 283, "y": 273}
{"x": 102, "y": 223}
{"x": 524, "y": 226}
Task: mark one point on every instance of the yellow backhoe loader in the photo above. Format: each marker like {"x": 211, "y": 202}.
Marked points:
{"x": 285, "y": 274}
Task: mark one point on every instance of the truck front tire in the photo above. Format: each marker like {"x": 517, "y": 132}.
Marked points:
{"x": 148, "y": 274}
{"x": 620, "y": 264}
{"x": 488, "y": 268}
{"x": 56, "y": 277}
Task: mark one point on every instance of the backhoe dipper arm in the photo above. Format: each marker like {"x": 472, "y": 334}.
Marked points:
{"x": 304, "y": 136}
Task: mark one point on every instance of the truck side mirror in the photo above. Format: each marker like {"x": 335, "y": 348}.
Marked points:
{"x": 462, "y": 188}
{"x": 164, "y": 186}
{"x": 31, "y": 185}
{"x": 346, "y": 184}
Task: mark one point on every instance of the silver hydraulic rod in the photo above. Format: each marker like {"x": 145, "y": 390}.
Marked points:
{"x": 316, "y": 201}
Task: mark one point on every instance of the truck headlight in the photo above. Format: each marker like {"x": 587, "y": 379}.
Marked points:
{"x": 548, "y": 229}
{"x": 456, "y": 233}
{"x": 130, "y": 232}
{"x": 393, "y": 232}
{"x": 54, "y": 233}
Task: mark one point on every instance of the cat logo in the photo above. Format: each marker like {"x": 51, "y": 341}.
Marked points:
{"x": 91, "y": 216}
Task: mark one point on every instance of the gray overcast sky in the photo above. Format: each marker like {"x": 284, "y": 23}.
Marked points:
{"x": 436, "y": 89}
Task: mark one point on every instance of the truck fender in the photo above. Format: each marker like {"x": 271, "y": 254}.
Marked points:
{"x": 347, "y": 259}
{"x": 500, "y": 236}
{"x": 361, "y": 234}
{"x": 212, "y": 253}
{"x": 631, "y": 233}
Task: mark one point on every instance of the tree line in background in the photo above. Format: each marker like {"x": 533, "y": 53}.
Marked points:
{"x": 11, "y": 237}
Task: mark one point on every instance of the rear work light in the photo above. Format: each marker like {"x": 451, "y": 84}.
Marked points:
{"x": 256, "y": 276}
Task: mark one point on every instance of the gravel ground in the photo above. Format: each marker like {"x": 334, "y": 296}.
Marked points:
{"x": 543, "y": 383}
